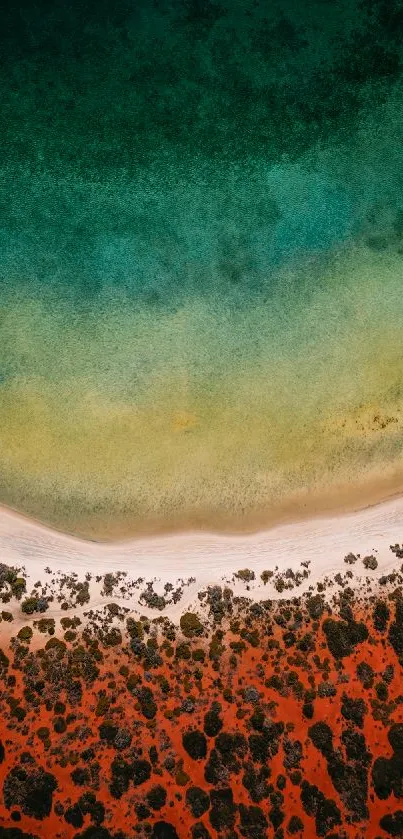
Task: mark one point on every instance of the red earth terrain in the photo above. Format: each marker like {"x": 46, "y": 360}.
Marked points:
{"x": 256, "y": 720}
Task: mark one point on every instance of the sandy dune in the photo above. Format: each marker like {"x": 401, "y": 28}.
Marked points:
{"x": 209, "y": 558}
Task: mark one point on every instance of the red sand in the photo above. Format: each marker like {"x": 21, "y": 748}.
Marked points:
{"x": 269, "y": 650}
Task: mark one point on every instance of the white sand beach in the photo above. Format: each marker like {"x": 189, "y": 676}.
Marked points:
{"x": 318, "y": 545}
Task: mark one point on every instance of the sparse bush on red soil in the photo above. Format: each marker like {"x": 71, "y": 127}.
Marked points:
{"x": 270, "y": 720}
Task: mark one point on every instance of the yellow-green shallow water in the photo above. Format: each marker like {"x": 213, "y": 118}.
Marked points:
{"x": 201, "y": 262}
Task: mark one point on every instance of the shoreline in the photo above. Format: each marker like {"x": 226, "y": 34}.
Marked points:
{"x": 340, "y": 500}
{"x": 312, "y": 550}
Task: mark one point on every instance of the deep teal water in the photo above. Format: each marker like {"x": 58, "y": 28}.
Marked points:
{"x": 201, "y": 222}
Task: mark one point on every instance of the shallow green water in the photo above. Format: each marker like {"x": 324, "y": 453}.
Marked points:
{"x": 201, "y": 251}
